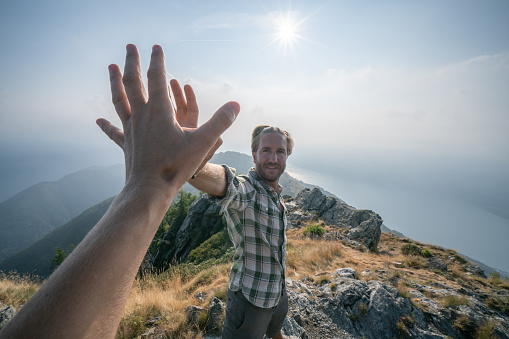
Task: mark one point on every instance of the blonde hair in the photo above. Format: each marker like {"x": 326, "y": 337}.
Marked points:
{"x": 264, "y": 129}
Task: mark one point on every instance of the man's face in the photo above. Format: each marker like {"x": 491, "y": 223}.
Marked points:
{"x": 270, "y": 158}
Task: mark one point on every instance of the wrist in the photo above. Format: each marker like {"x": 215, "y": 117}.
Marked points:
{"x": 159, "y": 190}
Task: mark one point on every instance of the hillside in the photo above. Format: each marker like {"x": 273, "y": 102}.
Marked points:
{"x": 38, "y": 210}
{"x": 337, "y": 288}
{"x": 35, "y": 259}
{"x": 33, "y": 214}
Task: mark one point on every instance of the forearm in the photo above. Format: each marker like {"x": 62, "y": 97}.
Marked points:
{"x": 211, "y": 179}
{"x": 87, "y": 294}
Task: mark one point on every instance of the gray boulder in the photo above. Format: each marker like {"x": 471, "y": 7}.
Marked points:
{"x": 216, "y": 316}
{"x": 346, "y": 273}
{"x": 6, "y": 314}
{"x": 364, "y": 225}
{"x": 193, "y": 313}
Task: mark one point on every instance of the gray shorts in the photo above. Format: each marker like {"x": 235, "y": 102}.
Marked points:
{"x": 245, "y": 320}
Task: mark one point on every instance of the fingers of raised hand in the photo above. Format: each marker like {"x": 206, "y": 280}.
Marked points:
{"x": 180, "y": 102}
{"x": 192, "y": 106}
{"x": 118, "y": 95}
{"x": 156, "y": 75}
{"x": 113, "y": 132}
{"x": 132, "y": 79}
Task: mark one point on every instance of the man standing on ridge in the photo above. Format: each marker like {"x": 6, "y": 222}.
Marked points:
{"x": 255, "y": 213}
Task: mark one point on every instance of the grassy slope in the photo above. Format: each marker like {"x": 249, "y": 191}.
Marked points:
{"x": 159, "y": 300}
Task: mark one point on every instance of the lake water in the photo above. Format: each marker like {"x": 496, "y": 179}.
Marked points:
{"x": 427, "y": 218}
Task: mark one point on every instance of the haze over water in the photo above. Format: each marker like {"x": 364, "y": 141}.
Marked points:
{"x": 425, "y": 217}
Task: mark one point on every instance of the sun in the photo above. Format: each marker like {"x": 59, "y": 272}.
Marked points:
{"x": 286, "y": 27}
{"x": 287, "y": 31}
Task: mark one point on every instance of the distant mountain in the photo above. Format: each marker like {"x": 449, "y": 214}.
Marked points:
{"x": 38, "y": 210}
{"x": 36, "y": 258}
{"x": 243, "y": 163}
{"x": 29, "y": 220}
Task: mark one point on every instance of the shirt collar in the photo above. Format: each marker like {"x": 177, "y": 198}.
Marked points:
{"x": 255, "y": 176}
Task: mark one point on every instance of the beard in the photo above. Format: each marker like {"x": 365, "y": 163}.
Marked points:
{"x": 269, "y": 177}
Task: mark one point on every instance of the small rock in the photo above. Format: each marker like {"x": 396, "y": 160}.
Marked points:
{"x": 6, "y": 314}
{"x": 216, "y": 316}
{"x": 192, "y": 313}
{"x": 201, "y": 296}
{"x": 346, "y": 273}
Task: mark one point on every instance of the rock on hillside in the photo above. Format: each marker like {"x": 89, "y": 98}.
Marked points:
{"x": 350, "y": 308}
{"x": 203, "y": 221}
{"x": 345, "y": 307}
{"x": 363, "y": 225}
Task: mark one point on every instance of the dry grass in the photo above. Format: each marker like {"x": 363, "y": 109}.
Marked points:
{"x": 16, "y": 289}
{"x": 158, "y": 301}
{"x": 164, "y": 297}
{"x": 306, "y": 257}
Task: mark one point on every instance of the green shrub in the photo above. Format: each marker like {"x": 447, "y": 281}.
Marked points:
{"x": 410, "y": 249}
{"x": 212, "y": 248}
{"x": 60, "y": 256}
{"x": 314, "y": 229}
{"x": 131, "y": 326}
{"x": 426, "y": 253}
{"x": 486, "y": 330}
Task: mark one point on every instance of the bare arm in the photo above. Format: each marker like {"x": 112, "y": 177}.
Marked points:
{"x": 86, "y": 296}
{"x": 211, "y": 179}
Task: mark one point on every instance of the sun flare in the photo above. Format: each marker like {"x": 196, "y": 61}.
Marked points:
{"x": 286, "y": 27}
{"x": 286, "y": 31}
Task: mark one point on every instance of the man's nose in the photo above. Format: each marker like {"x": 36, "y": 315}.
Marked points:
{"x": 273, "y": 157}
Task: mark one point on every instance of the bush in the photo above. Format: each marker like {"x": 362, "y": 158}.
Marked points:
{"x": 314, "y": 229}
{"x": 212, "y": 248}
{"x": 426, "y": 253}
{"x": 486, "y": 330}
{"x": 410, "y": 249}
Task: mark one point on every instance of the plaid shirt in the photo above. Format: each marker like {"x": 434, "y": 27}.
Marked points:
{"x": 256, "y": 220}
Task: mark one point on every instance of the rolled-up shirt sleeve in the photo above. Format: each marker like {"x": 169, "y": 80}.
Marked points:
{"x": 239, "y": 191}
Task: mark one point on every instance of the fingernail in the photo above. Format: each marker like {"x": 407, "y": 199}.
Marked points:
{"x": 156, "y": 47}
{"x": 235, "y": 107}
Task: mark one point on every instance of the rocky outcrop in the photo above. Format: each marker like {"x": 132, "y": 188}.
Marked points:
{"x": 346, "y": 307}
{"x": 202, "y": 221}
{"x": 363, "y": 225}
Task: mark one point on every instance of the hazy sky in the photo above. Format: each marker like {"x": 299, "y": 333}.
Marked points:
{"x": 400, "y": 94}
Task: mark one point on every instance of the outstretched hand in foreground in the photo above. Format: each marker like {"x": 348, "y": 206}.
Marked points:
{"x": 86, "y": 295}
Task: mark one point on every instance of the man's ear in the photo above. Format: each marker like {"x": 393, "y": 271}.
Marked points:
{"x": 254, "y": 157}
